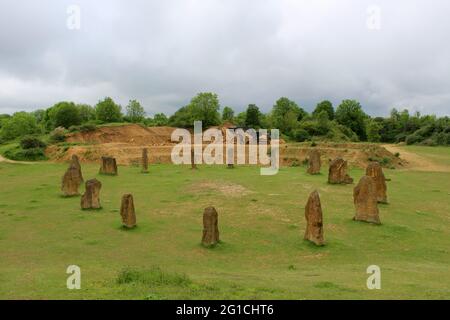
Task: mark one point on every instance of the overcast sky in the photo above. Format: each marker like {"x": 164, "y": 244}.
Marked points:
{"x": 247, "y": 51}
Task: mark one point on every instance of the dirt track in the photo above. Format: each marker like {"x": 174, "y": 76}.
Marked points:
{"x": 415, "y": 161}
{"x": 3, "y": 159}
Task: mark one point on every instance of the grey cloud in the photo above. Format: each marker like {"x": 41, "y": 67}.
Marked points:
{"x": 164, "y": 52}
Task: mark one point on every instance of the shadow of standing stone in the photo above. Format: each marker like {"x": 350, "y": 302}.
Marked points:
{"x": 314, "y": 220}
{"x": 210, "y": 227}
{"x": 109, "y": 166}
{"x": 91, "y": 197}
{"x": 365, "y": 200}
{"x": 127, "y": 211}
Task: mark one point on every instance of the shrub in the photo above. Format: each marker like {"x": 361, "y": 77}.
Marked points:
{"x": 33, "y": 154}
{"x": 58, "y": 135}
{"x": 413, "y": 139}
{"x": 83, "y": 128}
{"x": 301, "y": 135}
{"x": 31, "y": 142}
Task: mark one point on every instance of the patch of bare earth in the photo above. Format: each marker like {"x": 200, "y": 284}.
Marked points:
{"x": 227, "y": 189}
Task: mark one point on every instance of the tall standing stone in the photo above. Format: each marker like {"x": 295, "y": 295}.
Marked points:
{"x": 145, "y": 160}
{"x": 109, "y": 166}
{"x": 314, "y": 220}
{"x": 75, "y": 161}
{"x": 314, "y": 162}
{"x": 375, "y": 171}
{"x": 91, "y": 196}
{"x": 193, "y": 164}
{"x": 71, "y": 182}
{"x": 210, "y": 227}
{"x": 337, "y": 173}
{"x": 127, "y": 211}
{"x": 365, "y": 199}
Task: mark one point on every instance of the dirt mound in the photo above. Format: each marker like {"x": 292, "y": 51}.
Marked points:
{"x": 125, "y": 143}
{"x": 357, "y": 154}
{"x": 131, "y": 134}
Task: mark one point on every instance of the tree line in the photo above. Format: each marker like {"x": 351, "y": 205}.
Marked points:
{"x": 346, "y": 122}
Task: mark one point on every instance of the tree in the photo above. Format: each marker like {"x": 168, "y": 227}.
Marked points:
{"x": 203, "y": 107}
{"x": 107, "y": 110}
{"x": 135, "y": 112}
{"x": 286, "y": 114}
{"x": 87, "y": 113}
{"x": 326, "y": 106}
{"x": 373, "y": 130}
{"x": 252, "y": 117}
{"x": 227, "y": 114}
{"x": 158, "y": 120}
{"x": 19, "y": 125}
{"x": 3, "y": 118}
{"x": 239, "y": 120}
{"x": 350, "y": 114}
{"x": 63, "y": 114}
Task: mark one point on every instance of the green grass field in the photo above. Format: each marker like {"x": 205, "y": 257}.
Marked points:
{"x": 261, "y": 220}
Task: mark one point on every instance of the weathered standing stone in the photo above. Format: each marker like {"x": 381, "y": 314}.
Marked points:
{"x": 76, "y": 163}
{"x": 314, "y": 220}
{"x": 210, "y": 227}
{"x": 145, "y": 160}
{"x": 337, "y": 173}
{"x": 91, "y": 196}
{"x": 365, "y": 199}
{"x": 71, "y": 182}
{"x": 109, "y": 166}
{"x": 127, "y": 211}
{"x": 314, "y": 162}
{"x": 375, "y": 171}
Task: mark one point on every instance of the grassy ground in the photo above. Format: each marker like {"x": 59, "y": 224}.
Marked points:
{"x": 262, "y": 254}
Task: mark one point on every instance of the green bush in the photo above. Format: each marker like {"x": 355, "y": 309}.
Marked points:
{"x": 413, "y": 139}
{"x": 301, "y": 135}
{"x": 83, "y": 128}
{"x": 31, "y": 142}
{"x": 58, "y": 135}
{"x": 19, "y": 154}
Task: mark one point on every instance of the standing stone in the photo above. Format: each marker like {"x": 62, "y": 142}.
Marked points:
{"x": 375, "y": 171}
{"x": 71, "y": 182}
{"x": 91, "y": 196}
{"x": 314, "y": 162}
{"x": 75, "y": 161}
{"x": 127, "y": 211}
{"x": 337, "y": 173}
{"x": 109, "y": 166}
{"x": 365, "y": 199}
{"x": 145, "y": 160}
{"x": 193, "y": 164}
{"x": 314, "y": 220}
{"x": 210, "y": 227}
